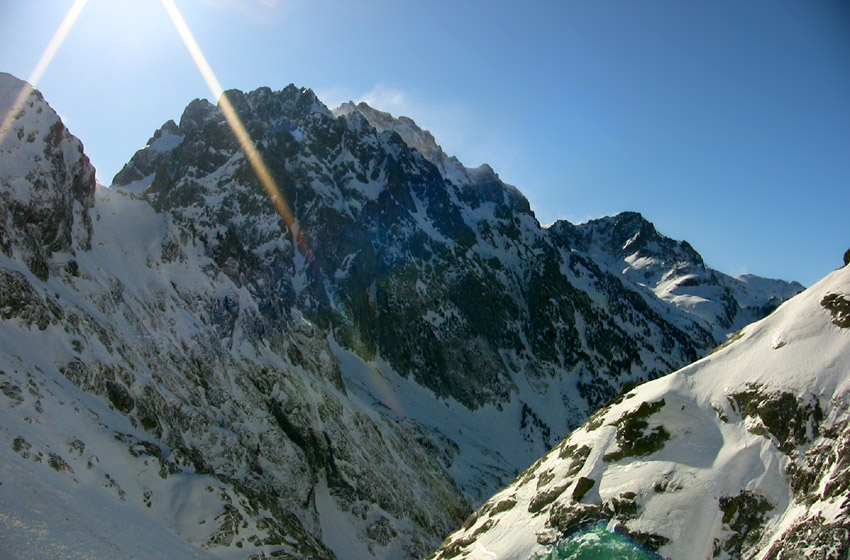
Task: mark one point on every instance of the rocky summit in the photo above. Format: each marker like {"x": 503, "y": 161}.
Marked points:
{"x": 183, "y": 374}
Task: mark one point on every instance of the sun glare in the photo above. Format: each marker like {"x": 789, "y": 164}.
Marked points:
{"x": 244, "y": 139}
{"x": 41, "y": 66}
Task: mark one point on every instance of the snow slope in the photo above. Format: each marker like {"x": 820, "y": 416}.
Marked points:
{"x": 743, "y": 454}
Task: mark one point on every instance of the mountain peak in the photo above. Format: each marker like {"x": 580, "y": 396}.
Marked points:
{"x": 195, "y": 113}
{"x": 415, "y": 137}
{"x": 10, "y": 87}
{"x": 631, "y": 249}
{"x": 266, "y": 103}
{"x": 46, "y": 181}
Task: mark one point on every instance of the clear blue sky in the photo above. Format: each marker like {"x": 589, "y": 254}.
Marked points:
{"x": 725, "y": 122}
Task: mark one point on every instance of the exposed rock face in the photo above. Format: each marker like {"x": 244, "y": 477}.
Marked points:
{"x": 742, "y": 455}
{"x": 344, "y": 388}
{"x": 48, "y": 182}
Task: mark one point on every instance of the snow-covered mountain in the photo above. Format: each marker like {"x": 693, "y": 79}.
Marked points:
{"x": 743, "y": 454}
{"x": 175, "y": 355}
{"x": 138, "y": 376}
{"x": 629, "y": 246}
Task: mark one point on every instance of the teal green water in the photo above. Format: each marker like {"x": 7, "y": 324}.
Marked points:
{"x": 596, "y": 543}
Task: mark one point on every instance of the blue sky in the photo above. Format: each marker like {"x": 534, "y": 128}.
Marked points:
{"x": 725, "y": 122}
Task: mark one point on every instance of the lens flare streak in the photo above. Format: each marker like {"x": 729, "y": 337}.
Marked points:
{"x": 235, "y": 123}
{"x": 41, "y": 66}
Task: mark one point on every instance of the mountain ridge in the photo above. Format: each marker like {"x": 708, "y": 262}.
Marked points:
{"x": 428, "y": 342}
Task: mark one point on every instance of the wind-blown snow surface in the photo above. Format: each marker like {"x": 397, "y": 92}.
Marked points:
{"x": 743, "y": 454}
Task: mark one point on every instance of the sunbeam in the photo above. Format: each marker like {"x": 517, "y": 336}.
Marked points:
{"x": 248, "y": 146}
{"x": 41, "y": 66}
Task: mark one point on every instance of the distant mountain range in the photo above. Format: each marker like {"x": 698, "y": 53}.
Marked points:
{"x": 177, "y": 361}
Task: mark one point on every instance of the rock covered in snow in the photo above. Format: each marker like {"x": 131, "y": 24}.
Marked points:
{"x": 743, "y": 454}
{"x": 46, "y": 181}
{"x": 344, "y": 387}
